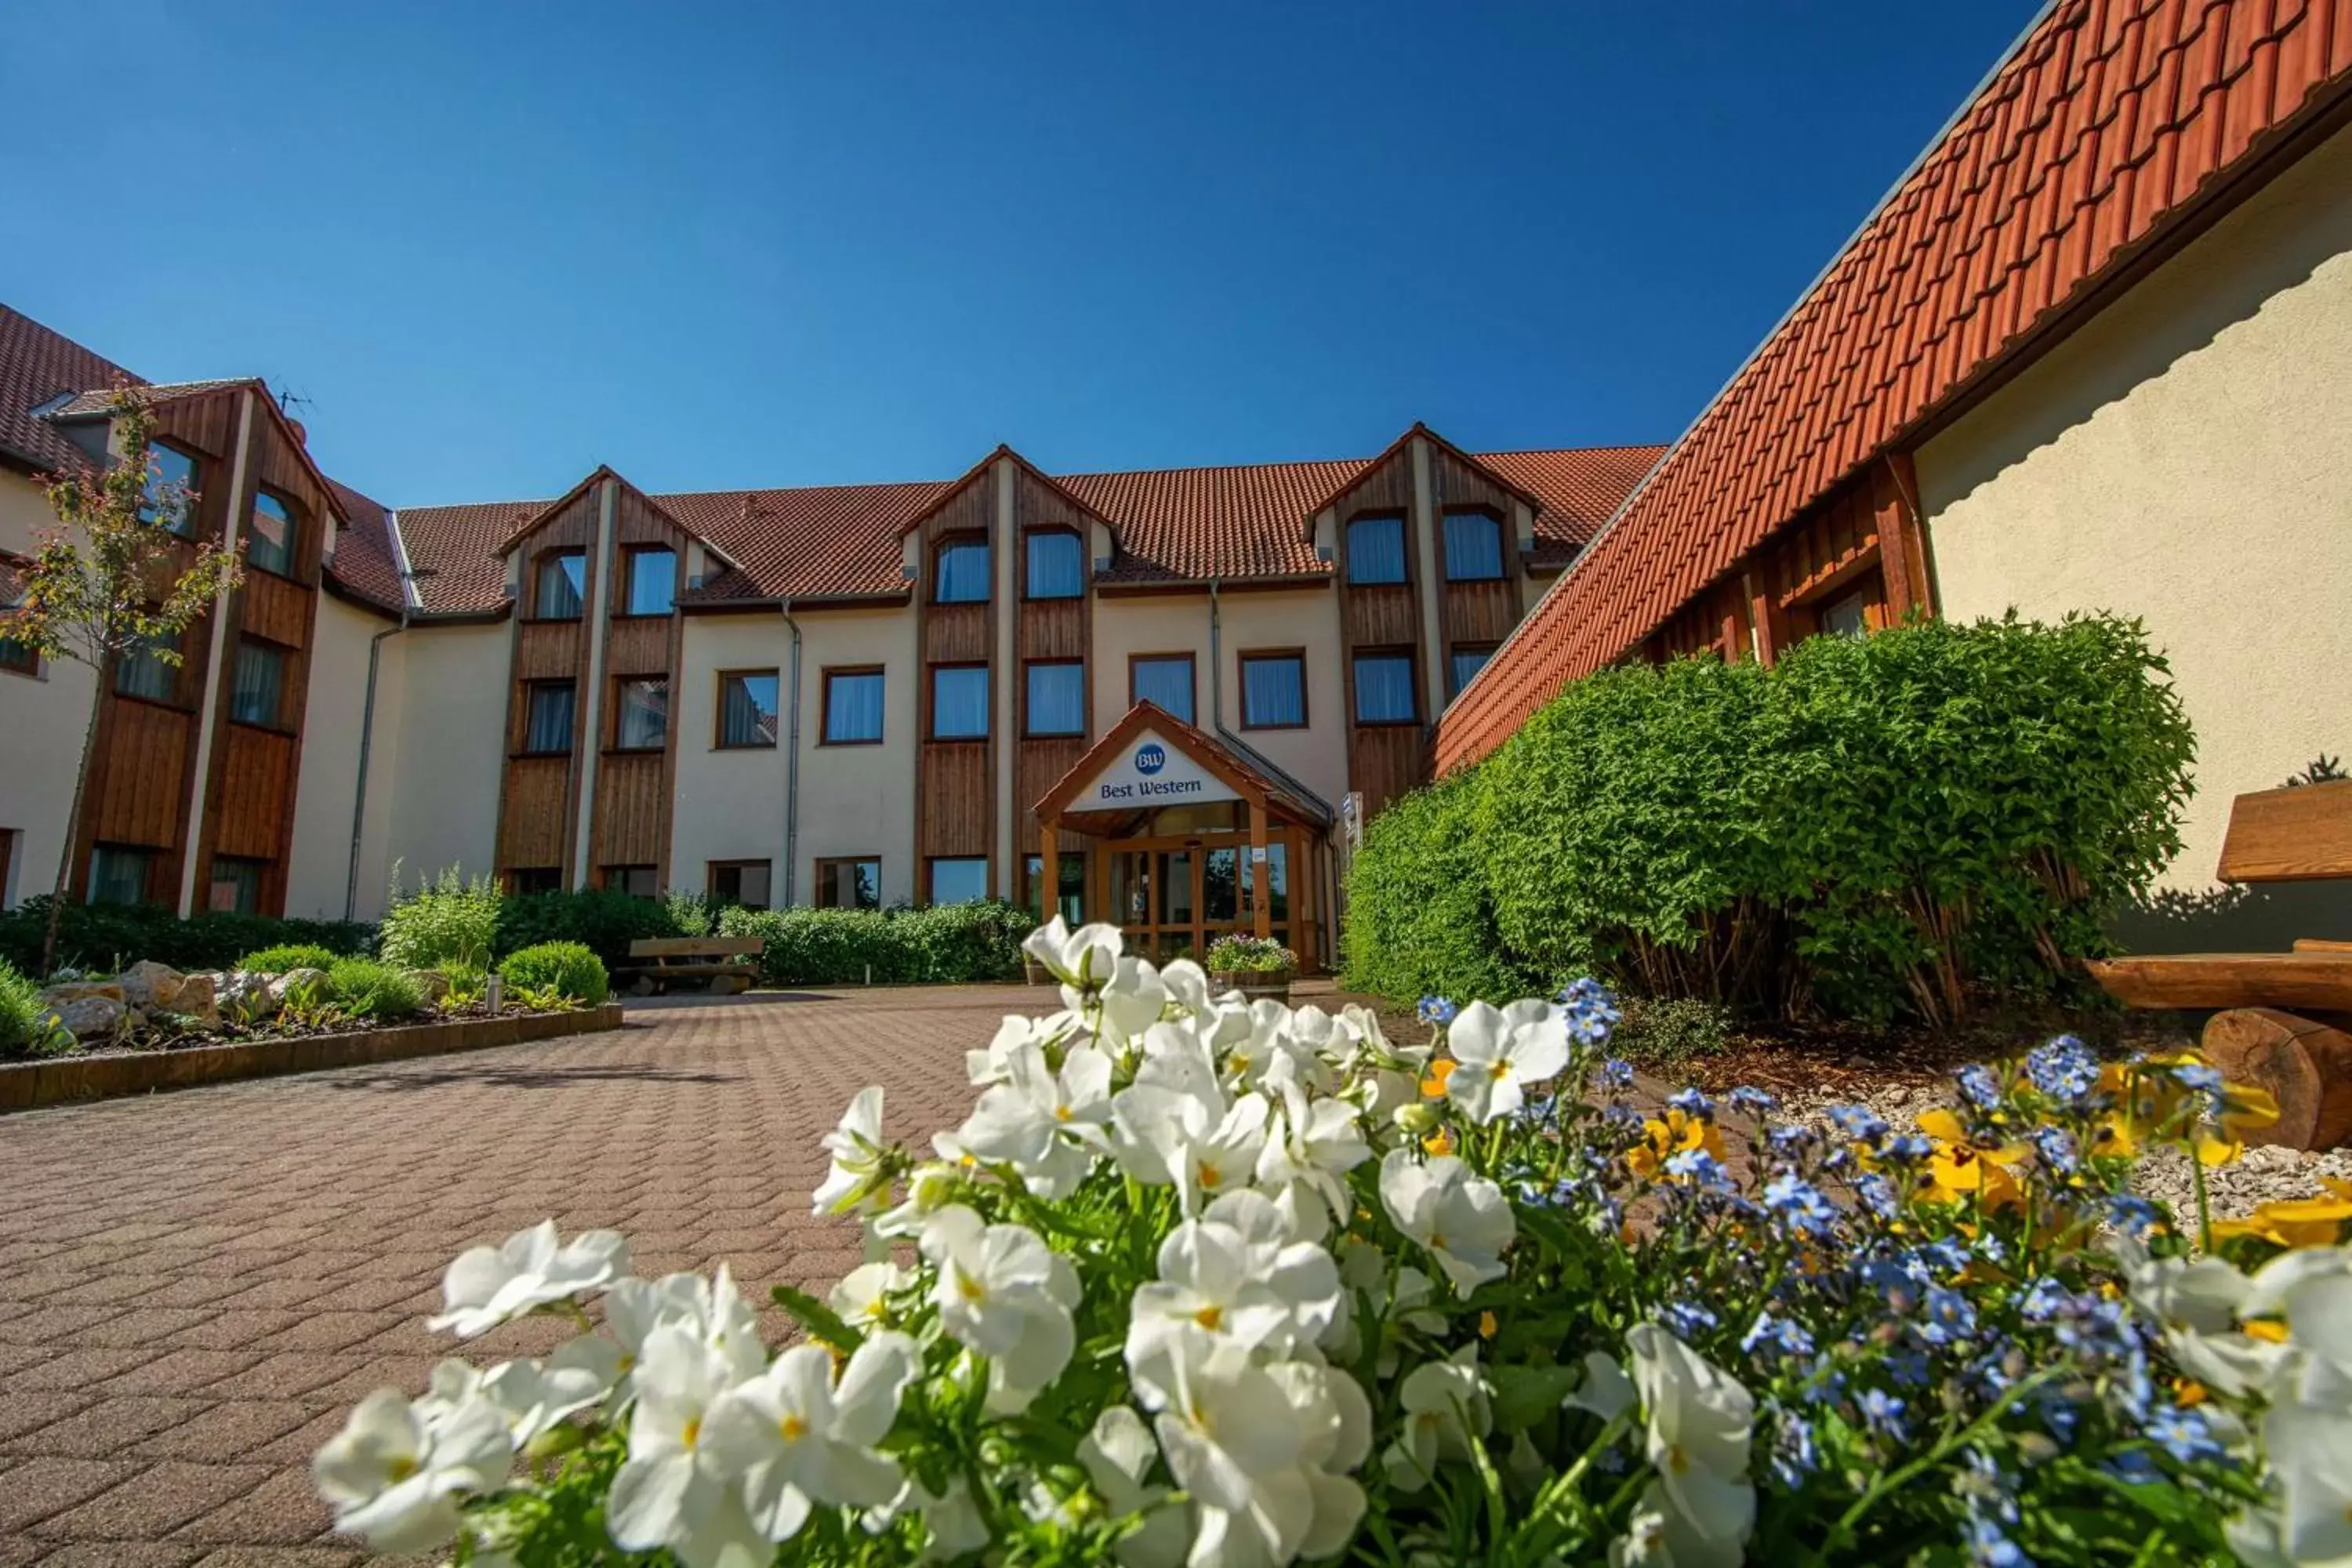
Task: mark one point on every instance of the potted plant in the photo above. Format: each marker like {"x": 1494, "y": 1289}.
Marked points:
{"x": 1254, "y": 965}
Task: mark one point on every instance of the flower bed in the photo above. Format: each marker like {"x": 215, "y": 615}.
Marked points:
{"x": 1204, "y": 1283}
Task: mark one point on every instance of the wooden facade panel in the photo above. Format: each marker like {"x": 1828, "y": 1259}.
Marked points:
{"x": 631, "y": 818}
{"x": 1054, "y": 628}
{"x": 637, "y": 644}
{"x": 280, "y": 463}
{"x": 548, "y": 650}
{"x": 1479, "y": 612}
{"x": 1381, "y": 615}
{"x": 954, "y": 807}
{"x": 275, "y": 608}
{"x": 206, "y": 426}
{"x": 139, "y": 774}
{"x": 1384, "y": 761}
{"x": 255, "y": 794}
{"x": 636, "y": 521}
{"x": 1037, "y": 766}
{"x": 532, "y": 815}
{"x": 956, "y": 634}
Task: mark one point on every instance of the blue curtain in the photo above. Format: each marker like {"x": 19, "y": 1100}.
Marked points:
{"x": 1467, "y": 663}
{"x": 258, "y": 680}
{"x": 1384, "y": 689}
{"x": 1473, "y": 547}
{"x": 561, "y": 580}
{"x": 1166, "y": 681}
{"x": 959, "y": 881}
{"x": 1057, "y": 699}
{"x": 1376, "y": 550}
{"x": 549, "y": 728}
{"x": 748, "y": 711}
{"x": 853, "y": 708}
{"x": 1273, "y": 691}
{"x": 962, "y": 573}
{"x": 1056, "y": 565}
{"x": 958, "y": 702}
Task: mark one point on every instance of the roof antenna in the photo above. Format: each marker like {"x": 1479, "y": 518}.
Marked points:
{"x": 289, "y": 400}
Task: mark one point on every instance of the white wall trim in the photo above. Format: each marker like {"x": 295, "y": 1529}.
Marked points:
{"x": 590, "y": 742}
{"x": 208, "y": 719}
{"x": 1004, "y": 724}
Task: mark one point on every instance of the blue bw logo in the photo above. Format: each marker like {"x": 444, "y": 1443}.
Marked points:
{"x": 1150, "y": 758}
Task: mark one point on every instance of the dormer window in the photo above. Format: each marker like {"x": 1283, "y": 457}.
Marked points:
{"x": 652, "y": 582}
{"x": 1057, "y": 564}
{"x": 959, "y": 573}
{"x": 563, "y": 582}
{"x": 1376, "y": 549}
{"x": 271, "y": 544}
{"x": 170, "y": 492}
{"x": 1473, "y": 547}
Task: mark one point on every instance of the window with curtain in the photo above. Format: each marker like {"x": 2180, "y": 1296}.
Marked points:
{"x": 525, "y": 881}
{"x": 269, "y": 543}
{"x": 1849, "y": 616}
{"x": 1057, "y": 564}
{"x": 547, "y": 719}
{"x": 1057, "y": 699}
{"x": 853, "y": 708}
{"x": 1462, "y": 667}
{"x": 637, "y": 881}
{"x": 1162, "y": 679}
{"x": 742, "y": 883}
{"x": 142, "y": 671}
{"x": 1473, "y": 547}
{"x": 562, "y": 579}
{"x": 1069, "y": 885}
{"x": 959, "y": 701}
{"x": 168, "y": 496}
{"x": 653, "y": 580}
{"x": 18, "y": 658}
{"x": 851, "y": 883}
{"x": 236, "y": 885}
{"x": 960, "y": 572}
{"x": 1384, "y": 688}
{"x": 641, "y": 714}
{"x": 959, "y": 881}
{"x": 1274, "y": 691}
{"x": 1376, "y": 550}
{"x": 747, "y": 708}
{"x": 118, "y": 874}
{"x": 257, "y": 682}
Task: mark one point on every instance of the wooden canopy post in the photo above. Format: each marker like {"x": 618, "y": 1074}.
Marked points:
{"x": 1049, "y": 871}
{"x": 1265, "y": 908}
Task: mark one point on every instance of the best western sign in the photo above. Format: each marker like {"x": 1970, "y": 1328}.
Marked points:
{"x": 1150, "y": 771}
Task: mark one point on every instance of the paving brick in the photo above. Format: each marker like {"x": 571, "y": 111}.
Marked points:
{"x": 234, "y": 1428}
{"x": 177, "y": 1372}
{"x": 283, "y": 1511}
{"x": 119, "y": 1554}
{"x": 35, "y": 1408}
{"x": 73, "y": 1368}
{"x": 41, "y": 1486}
{"x": 280, "y": 1557}
{"x": 105, "y": 1426}
{"x": 156, "y": 1501}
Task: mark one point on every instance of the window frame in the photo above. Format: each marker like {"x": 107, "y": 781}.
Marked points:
{"x": 931, "y": 865}
{"x": 540, "y": 563}
{"x": 719, "y": 740}
{"x": 1240, "y": 684}
{"x": 823, "y": 871}
{"x": 824, "y": 703}
{"x": 1412, "y": 684}
{"x": 960, "y": 540}
{"x": 176, "y": 673}
{"x": 1455, "y": 688}
{"x": 259, "y": 869}
{"x": 1030, "y": 879}
{"x": 276, "y": 722}
{"x": 1404, "y": 549}
{"x": 531, "y": 688}
{"x": 625, "y": 583}
{"x": 621, "y": 683}
{"x": 932, "y": 702}
{"x": 149, "y": 855}
{"x": 1192, "y": 665}
{"x": 513, "y": 875}
{"x": 711, "y": 869}
{"x": 1501, "y": 572}
{"x": 293, "y": 520}
{"x": 1028, "y": 586}
{"x": 191, "y": 491}
{"x": 1029, "y": 730}
{"x": 605, "y": 877}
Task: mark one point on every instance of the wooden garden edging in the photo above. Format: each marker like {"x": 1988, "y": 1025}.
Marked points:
{"x": 66, "y": 1080}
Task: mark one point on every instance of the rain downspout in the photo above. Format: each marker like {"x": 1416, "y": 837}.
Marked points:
{"x": 367, "y": 719}
{"x": 792, "y": 771}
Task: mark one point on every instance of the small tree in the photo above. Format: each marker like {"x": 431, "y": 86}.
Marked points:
{"x": 102, "y": 584}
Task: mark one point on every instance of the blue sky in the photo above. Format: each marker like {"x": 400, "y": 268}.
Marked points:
{"x": 496, "y": 244}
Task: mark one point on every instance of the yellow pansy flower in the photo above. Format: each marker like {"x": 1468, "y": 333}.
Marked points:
{"x": 2295, "y": 1222}
{"x": 1960, "y": 1166}
{"x": 1432, "y": 1085}
{"x": 1662, "y": 1140}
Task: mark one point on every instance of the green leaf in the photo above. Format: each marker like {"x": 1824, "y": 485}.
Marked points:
{"x": 823, "y": 1324}
{"x": 1526, "y": 1394}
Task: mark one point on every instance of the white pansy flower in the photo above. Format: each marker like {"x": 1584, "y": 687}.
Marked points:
{"x": 1462, "y": 1219}
{"x": 861, "y": 1297}
{"x": 1131, "y": 1001}
{"x": 1002, "y": 1294}
{"x": 855, "y": 1145}
{"x": 1044, "y": 1124}
{"x": 1080, "y": 959}
{"x": 953, "y": 1524}
{"x": 1116, "y": 1454}
{"x": 530, "y": 1397}
{"x": 797, "y": 1439}
{"x": 1444, "y": 1406}
{"x": 931, "y": 1187}
{"x": 396, "y": 1473}
{"x": 1234, "y": 1443}
{"x": 671, "y": 1492}
{"x": 487, "y": 1286}
{"x": 2197, "y": 1303}
{"x": 1313, "y": 1143}
{"x": 1232, "y": 1274}
{"x": 1498, "y": 1051}
{"x": 1699, "y": 1422}
{"x": 1606, "y": 1391}
{"x": 1171, "y": 1128}
{"x": 1335, "y": 1422}
{"x": 1187, "y": 984}
{"x": 991, "y": 1063}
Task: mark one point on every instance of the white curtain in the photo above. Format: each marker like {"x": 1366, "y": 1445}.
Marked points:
{"x": 1273, "y": 691}
{"x": 1376, "y": 550}
{"x": 549, "y": 728}
{"x": 853, "y": 708}
{"x": 1168, "y": 682}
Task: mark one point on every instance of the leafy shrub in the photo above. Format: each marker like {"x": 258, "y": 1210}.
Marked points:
{"x": 28, "y": 1027}
{"x": 1256, "y": 954}
{"x": 692, "y": 913}
{"x": 288, "y": 956}
{"x": 105, "y": 937}
{"x": 1873, "y": 827}
{"x": 949, "y": 943}
{"x": 450, "y": 921}
{"x": 369, "y": 988}
{"x": 567, "y": 967}
{"x": 606, "y": 921}
{"x": 1670, "y": 1030}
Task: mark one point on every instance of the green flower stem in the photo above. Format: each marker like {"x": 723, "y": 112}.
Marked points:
{"x": 2204, "y": 1202}
{"x": 1841, "y": 1531}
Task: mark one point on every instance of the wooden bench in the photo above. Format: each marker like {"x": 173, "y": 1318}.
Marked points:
{"x": 2303, "y": 1056}
{"x": 714, "y": 959}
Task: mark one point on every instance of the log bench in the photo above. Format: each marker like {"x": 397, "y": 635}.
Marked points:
{"x": 2285, "y": 1019}
{"x": 657, "y": 962}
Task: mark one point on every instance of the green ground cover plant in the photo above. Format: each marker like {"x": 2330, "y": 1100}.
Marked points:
{"x": 378, "y": 992}
{"x": 286, "y": 957}
{"x": 948, "y": 943}
{"x": 450, "y": 922}
{"x": 569, "y": 968}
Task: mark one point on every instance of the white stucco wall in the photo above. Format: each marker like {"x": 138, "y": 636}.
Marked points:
{"x": 448, "y": 750}
{"x": 730, "y": 804}
{"x": 23, "y": 510}
{"x": 858, "y": 800}
{"x": 2186, "y": 457}
{"x": 320, "y": 874}
{"x": 43, "y": 719}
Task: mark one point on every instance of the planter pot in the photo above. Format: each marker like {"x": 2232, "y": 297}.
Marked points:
{"x": 1252, "y": 982}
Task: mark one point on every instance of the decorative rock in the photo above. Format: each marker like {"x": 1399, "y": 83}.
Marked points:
{"x": 82, "y": 991}
{"x": 247, "y": 997}
{"x": 195, "y": 1002}
{"x": 148, "y": 985}
{"x": 93, "y": 1017}
{"x": 292, "y": 983}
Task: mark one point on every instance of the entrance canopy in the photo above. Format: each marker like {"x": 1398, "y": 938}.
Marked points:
{"x": 1149, "y": 759}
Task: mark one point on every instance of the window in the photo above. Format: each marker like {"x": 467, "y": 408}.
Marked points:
{"x": 1384, "y": 688}
{"x": 1274, "y": 691}
{"x": 960, "y": 572}
{"x": 1376, "y": 550}
{"x": 640, "y": 714}
{"x": 1057, "y": 564}
{"x": 1069, "y": 888}
{"x": 236, "y": 885}
{"x": 1463, "y": 667}
{"x": 959, "y": 701}
{"x": 257, "y": 683}
{"x": 526, "y": 880}
{"x": 959, "y": 881}
{"x": 637, "y": 881}
{"x": 1848, "y": 616}
{"x": 18, "y": 658}
{"x": 270, "y": 543}
{"x": 143, "y": 673}
{"x": 1473, "y": 547}
{"x": 1165, "y": 679}
{"x": 170, "y": 492}
{"x": 653, "y": 581}
{"x": 1057, "y": 699}
{"x": 119, "y": 873}
{"x": 546, "y": 718}
{"x": 562, "y": 579}
{"x": 850, "y": 884}
{"x": 747, "y": 708}
{"x": 853, "y": 708}
{"x": 740, "y": 882}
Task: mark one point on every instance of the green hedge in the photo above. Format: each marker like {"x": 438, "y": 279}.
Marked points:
{"x": 378, "y": 992}
{"x": 569, "y": 966}
{"x": 286, "y": 957}
{"x": 603, "y": 921}
{"x": 951, "y": 942}
{"x": 1873, "y": 828}
{"x": 106, "y": 937}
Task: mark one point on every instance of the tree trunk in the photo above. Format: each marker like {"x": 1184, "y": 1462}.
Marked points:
{"x": 73, "y": 834}
{"x": 2306, "y": 1065}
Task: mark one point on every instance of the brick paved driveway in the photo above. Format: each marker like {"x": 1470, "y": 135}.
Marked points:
{"x": 194, "y": 1287}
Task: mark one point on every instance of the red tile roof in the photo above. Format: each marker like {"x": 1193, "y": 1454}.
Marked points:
{"x": 365, "y": 559}
{"x": 37, "y": 366}
{"x": 99, "y": 399}
{"x": 2110, "y": 120}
